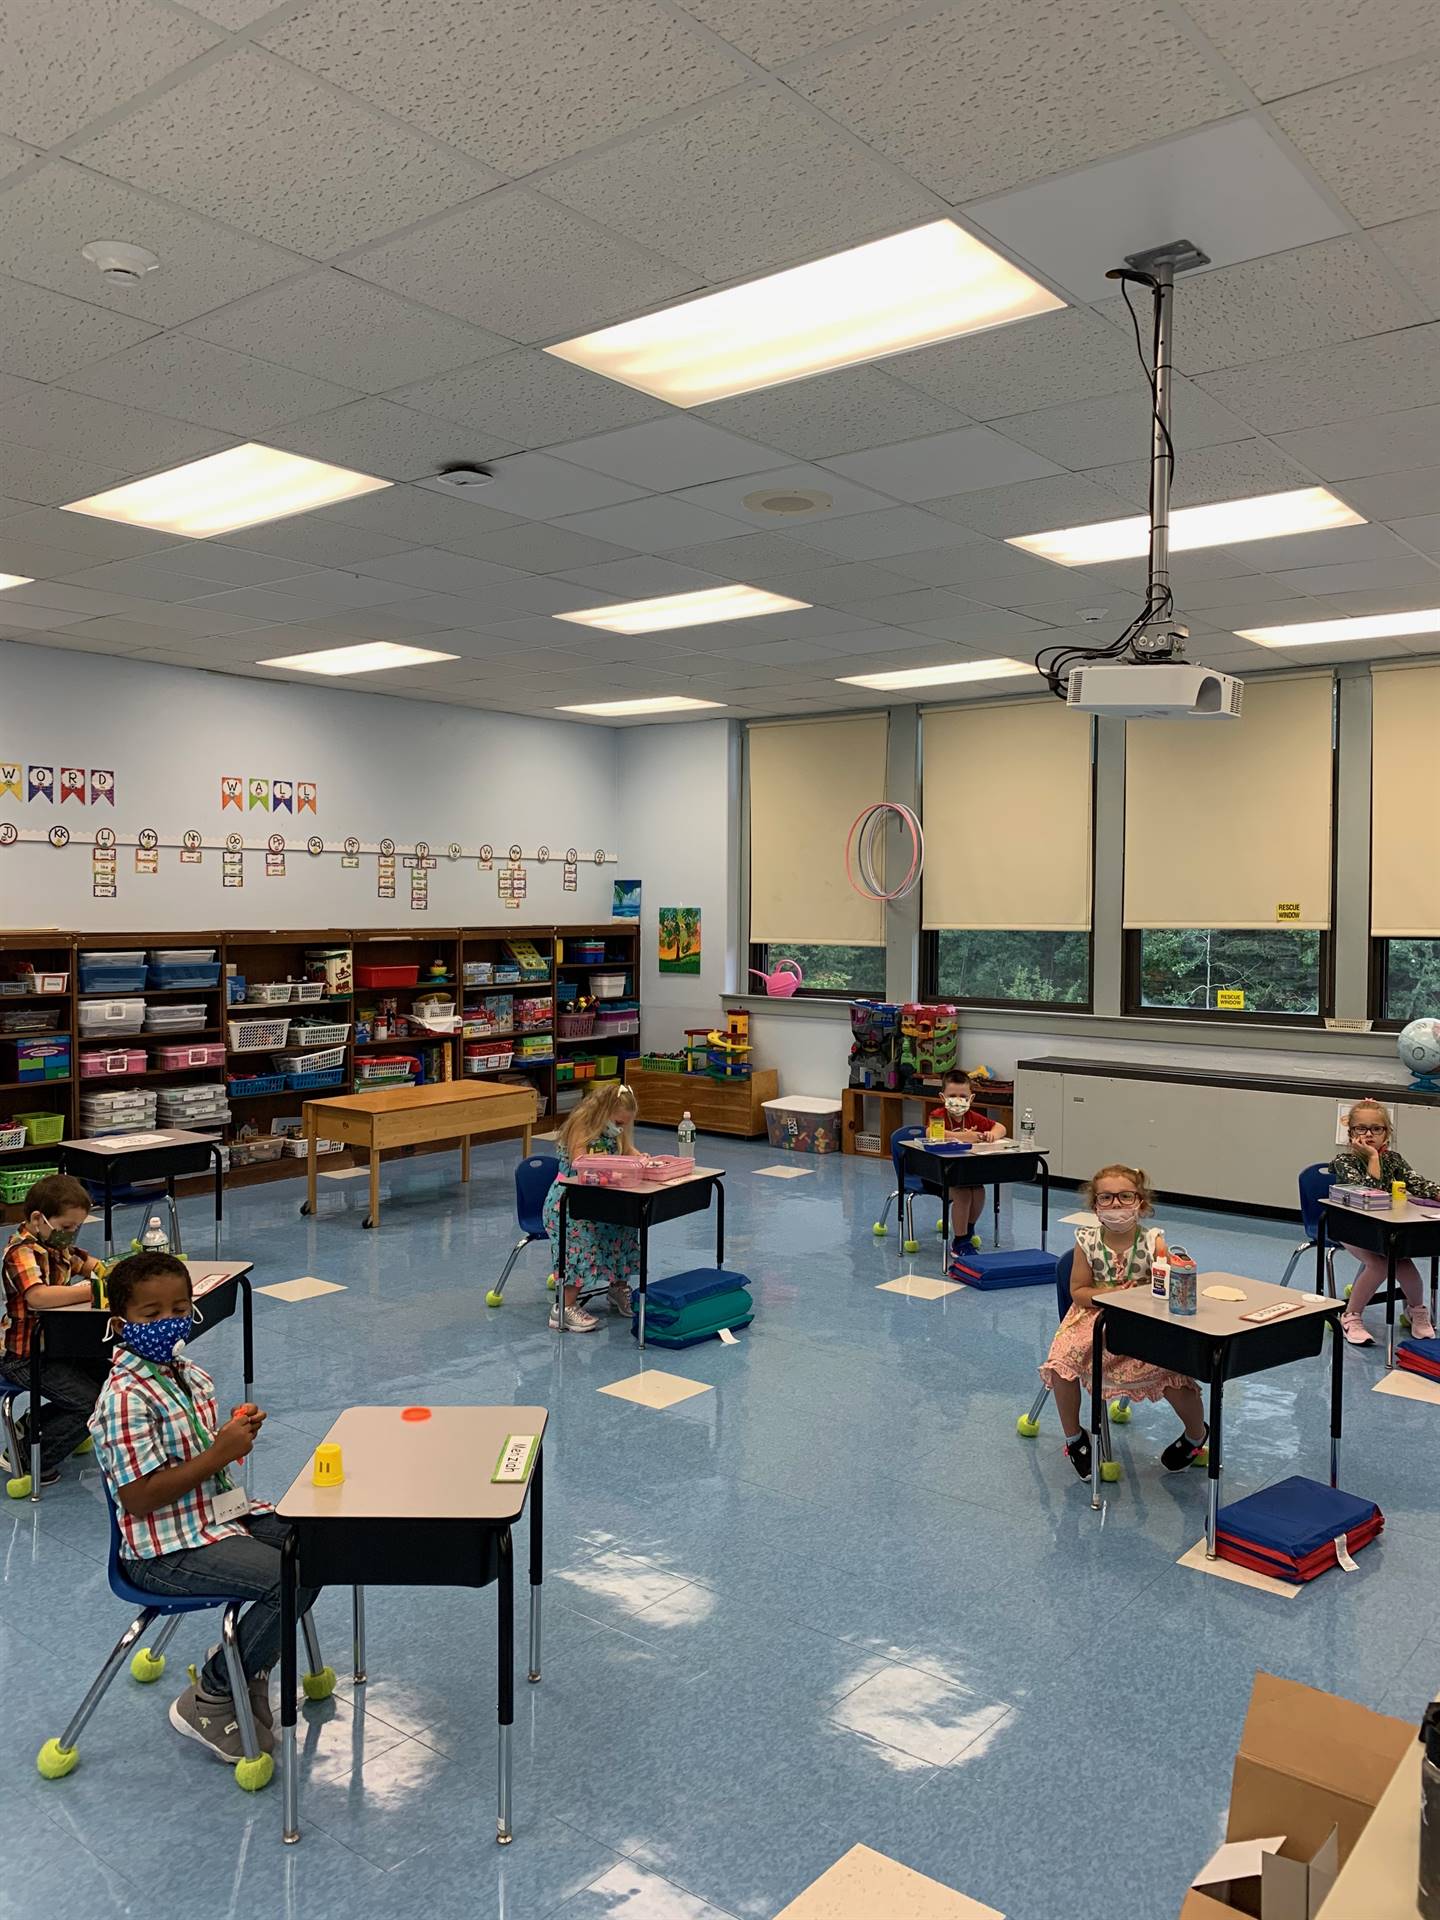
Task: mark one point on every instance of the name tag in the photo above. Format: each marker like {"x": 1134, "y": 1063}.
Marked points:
{"x": 516, "y": 1456}
{"x": 231, "y": 1505}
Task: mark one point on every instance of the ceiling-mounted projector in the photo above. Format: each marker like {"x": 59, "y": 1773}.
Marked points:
{"x": 1170, "y": 690}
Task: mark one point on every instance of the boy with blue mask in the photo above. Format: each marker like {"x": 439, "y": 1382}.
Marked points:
{"x": 186, "y": 1525}
{"x": 42, "y": 1267}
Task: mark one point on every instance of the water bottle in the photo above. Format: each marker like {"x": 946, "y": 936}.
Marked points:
{"x": 154, "y": 1239}
{"x": 1428, "y": 1892}
{"x": 1399, "y": 1193}
{"x": 685, "y": 1138}
{"x": 1184, "y": 1283}
{"x": 1027, "y": 1127}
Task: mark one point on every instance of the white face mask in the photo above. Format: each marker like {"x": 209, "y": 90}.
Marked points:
{"x": 957, "y": 1103}
{"x": 1119, "y": 1218}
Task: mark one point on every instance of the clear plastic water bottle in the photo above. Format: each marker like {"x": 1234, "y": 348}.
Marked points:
{"x": 685, "y": 1138}
{"x": 154, "y": 1239}
{"x": 1027, "y": 1127}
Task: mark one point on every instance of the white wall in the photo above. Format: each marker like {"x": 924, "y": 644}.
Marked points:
{"x": 402, "y": 769}
{"x": 999, "y": 1049}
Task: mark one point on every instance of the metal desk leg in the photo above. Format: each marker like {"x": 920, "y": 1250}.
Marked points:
{"x": 177, "y": 1238}
{"x": 109, "y": 1215}
{"x": 219, "y": 1198}
{"x": 1390, "y": 1265}
{"x": 1212, "y": 1495}
{"x": 644, "y": 1273}
{"x": 1434, "y": 1283}
{"x": 505, "y": 1585}
{"x": 1337, "y": 1397}
{"x": 1320, "y": 1267}
{"x": 995, "y": 1190}
{"x": 718, "y": 1188}
{"x": 37, "y": 1343}
{"x": 1097, "y": 1403}
{"x": 357, "y": 1636}
{"x": 247, "y": 1335}
{"x": 537, "y": 1571}
{"x": 560, "y": 1263}
{"x": 1044, "y": 1202}
{"x": 289, "y": 1768}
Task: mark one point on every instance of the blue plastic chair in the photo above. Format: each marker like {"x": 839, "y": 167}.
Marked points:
{"x": 534, "y": 1178}
{"x": 1314, "y": 1185}
{"x": 1028, "y": 1425}
{"x": 59, "y": 1757}
{"x": 911, "y": 1184}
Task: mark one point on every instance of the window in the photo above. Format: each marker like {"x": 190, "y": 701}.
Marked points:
{"x": 1404, "y": 880}
{"x": 1020, "y": 968}
{"x": 828, "y": 969}
{"x": 1228, "y": 970}
{"x": 1409, "y": 980}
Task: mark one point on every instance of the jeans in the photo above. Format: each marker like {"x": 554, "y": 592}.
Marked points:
{"x": 244, "y": 1567}
{"x": 71, "y": 1388}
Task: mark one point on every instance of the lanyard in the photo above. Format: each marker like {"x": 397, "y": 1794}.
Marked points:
{"x": 172, "y": 1391}
{"x": 1112, "y": 1265}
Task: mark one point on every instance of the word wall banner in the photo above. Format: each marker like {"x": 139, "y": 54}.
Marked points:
{"x": 102, "y": 787}
{"x": 72, "y": 784}
{"x": 40, "y": 784}
{"x": 10, "y": 772}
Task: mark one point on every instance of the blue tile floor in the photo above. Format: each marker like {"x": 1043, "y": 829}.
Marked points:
{"x": 837, "y": 1599}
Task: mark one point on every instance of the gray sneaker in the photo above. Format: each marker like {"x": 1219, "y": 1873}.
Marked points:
{"x": 210, "y": 1719}
{"x": 619, "y": 1297}
{"x": 263, "y": 1712}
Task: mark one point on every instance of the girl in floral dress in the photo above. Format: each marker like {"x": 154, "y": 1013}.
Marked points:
{"x": 1120, "y": 1252}
{"x": 1370, "y": 1160}
{"x": 597, "y": 1254}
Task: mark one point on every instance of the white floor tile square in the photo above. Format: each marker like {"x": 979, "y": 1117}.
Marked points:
{"x": 784, "y": 1173}
{"x": 307, "y": 1287}
{"x": 919, "y": 1286}
{"x": 863, "y": 1884}
{"x": 657, "y": 1390}
{"x": 1409, "y": 1386}
{"x": 1240, "y": 1576}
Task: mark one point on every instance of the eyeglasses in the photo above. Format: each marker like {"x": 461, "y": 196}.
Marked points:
{"x": 1381, "y": 1130}
{"x": 1116, "y": 1199}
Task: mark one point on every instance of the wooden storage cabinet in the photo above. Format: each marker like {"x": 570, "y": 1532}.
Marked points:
{"x": 716, "y": 1106}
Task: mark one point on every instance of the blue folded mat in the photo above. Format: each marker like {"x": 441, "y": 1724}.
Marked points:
{"x": 1295, "y": 1517}
{"x": 1022, "y": 1267}
{"x": 678, "y": 1290}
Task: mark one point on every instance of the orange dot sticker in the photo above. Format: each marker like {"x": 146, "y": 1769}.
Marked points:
{"x": 415, "y": 1413}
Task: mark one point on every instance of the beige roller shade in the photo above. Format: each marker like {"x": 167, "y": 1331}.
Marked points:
{"x": 807, "y": 783}
{"x": 1228, "y": 822}
{"x": 1021, "y": 858}
{"x": 1405, "y": 803}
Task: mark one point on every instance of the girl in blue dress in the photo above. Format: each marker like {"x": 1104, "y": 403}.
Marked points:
{"x": 596, "y": 1254}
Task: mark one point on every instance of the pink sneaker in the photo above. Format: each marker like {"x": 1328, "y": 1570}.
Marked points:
{"x": 1422, "y": 1327}
{"x": 1353, "y": 1328}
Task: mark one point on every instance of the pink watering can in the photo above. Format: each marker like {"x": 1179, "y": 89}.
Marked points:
{"x": 779, "y": 984}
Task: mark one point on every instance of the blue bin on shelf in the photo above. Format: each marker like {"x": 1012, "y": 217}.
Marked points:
{"x": 95, "y": 978}
{"x": 174, "y": 973}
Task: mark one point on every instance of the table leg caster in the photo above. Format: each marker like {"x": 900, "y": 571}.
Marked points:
{"x": 304, "y": 1209}
{"x": 367, "y": 1222}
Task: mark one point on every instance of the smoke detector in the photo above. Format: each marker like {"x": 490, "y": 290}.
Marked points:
{"x": 463, "y": 479}
{"x": 790, "y": 501}
{"x": 119, "y": 261}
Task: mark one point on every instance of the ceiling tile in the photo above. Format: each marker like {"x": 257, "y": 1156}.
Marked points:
{"x": 1238, "y": 596}
{"x": 1035, "y": 363}
{"x": 1030, "y": 506}
{"x": 1422, "y": 532}
{"x": 531, "y": 399}
{"x": 143, "y": 578}
{"x": 518, "y": 83}
{"x": 66, "y": 61}
{"x": 748, "y": 556}
{"x": 214, "y": 387}
{"x": 233, "y": 139}
{"x": 256, "y": 605}
{"x": 82, "y": 533}
{"x": 1098, "y": 433}
{"x": 206, "y": 563}
{"x": 47, "y": 219}
{"x": 845, "y": 586}
{"x": 973, "y": 625}
{"x": 526, "y": 268}
{"x": 654, "y": 524}
{"x": 1329, "y": 548}
{"x": 419, "y": 517}
{"x": 639, "y": 577}
{"x": 1288, "y": 49}
{"x": 45, "y": 336}
{"x": 987, "y": 563}
{"x": 233, "y": 14}
{"x": 1231, "y": 186}
{"x": 374, "y": 623}
{"x": 1357, "y": 449}
{"x": 167, "y": 618}
{"x": 338, "y": 328}
{"x": 126, "y": 439}
{"x": 942, "y": 464}
{"x": 537, "y": 486}
{"x": 535, "y": 547}
{"x": 728, "y": 496}
{"x": 1229, "y": 472}
{"x": 1414, "y": 246}
{"x": 1004, "y": 91}
{"x": 314, "y": 542}
{"x": 393, "y": 442}
{"x": 24, "y": 618}
{"x": 1370, "y": 138}
{"x": 839, "y": 412}
{"x": 51, "y": 477}
{"x": 436, "y": 571}
{"x": 1348, "y": 382}
{"x": 878, "y": 535}
{"x": 774, "y": 31}
{"x": 663, "y": 455}
{"x": 1396, "y": 496}
{"x": 1364, "y": 576}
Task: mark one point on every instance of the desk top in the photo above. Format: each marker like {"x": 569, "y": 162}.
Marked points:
{"x": 981, "y": 1149}
{"x": 117, "y": 1145}
{"x": 435, "y": 1469}
{"x": 446, "y": 1093}
{"x": 1406, "y": 1216}
{"x": 642, "y": 1186}
{"x": 1221, "y": 1319}
{"x": 205, "y": 1276}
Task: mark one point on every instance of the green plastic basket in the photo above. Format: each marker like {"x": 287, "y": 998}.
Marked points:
{"x": 607, "y": 1065}
{"x": 662, "y": 1062}
{"x": 42, "y": 1129}
{"x": 16, "y": 1182}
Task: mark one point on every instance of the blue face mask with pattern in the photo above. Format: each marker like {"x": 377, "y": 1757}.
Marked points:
{"x": 159, "y": 1341}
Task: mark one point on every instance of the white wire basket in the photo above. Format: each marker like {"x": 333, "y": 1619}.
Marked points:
{"x": 257, "y": 1036}
{"x": 311, "y": 1062}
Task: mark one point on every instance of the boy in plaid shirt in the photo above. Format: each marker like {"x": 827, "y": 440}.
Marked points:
{"x": 43, "y": 1267}
{"x": 185, "y": 1527}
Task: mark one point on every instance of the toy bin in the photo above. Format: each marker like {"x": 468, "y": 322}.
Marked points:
{"x": 100, "y": 1066}
{"x": 575, "y": 1026}
{"x": 254, "y": 1036}
{"x": 195, "y": 970}
{"x": 12, "y": 1137}
{"x": 37, "y": 1059}
{"x": 99, "y": 1019}
{"x": 394, "y": 976}
{"x": 16, "y": 1182}
{"x": 608, "y": 986}
{"x": 174, "y": 1059}
{"x": 804, "y": 1123}
{"x": 37, "y": 981}
{"x": 585, "y": 952}
{"x": 112, "y": 972}
{"x": 29, "y": 1021}
{"x": 41, "y": 1129}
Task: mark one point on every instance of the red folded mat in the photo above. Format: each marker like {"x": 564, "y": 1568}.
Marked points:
{"x": 1245, "y": 1553}
{"x": 1413, "y": 1363}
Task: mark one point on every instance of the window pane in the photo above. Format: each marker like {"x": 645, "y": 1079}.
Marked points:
{"x": 1194, "y": 967}
{"x": 1038, "y": 968}
{"x": 828, "y": 969}
{"x": 1412, "y": 979}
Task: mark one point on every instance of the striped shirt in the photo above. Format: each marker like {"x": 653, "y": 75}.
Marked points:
{"x": 27, "y": 1263}
{"x": 141, "y": 1423}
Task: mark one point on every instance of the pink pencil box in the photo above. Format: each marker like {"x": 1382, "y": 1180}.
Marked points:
{"x": 609, "y": 1169}
{"x": 667, "y": 1166}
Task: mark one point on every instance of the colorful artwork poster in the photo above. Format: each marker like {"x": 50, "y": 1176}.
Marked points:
{"x": 625, "y": 900}
{"x": 679, "y": 939}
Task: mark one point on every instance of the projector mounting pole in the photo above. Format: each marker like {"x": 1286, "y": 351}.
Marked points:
{"x": 1160, "y": 443}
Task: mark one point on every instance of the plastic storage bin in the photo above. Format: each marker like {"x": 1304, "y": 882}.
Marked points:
{"x": 29, "y": 1020}
{"x": 804, "y": 1123}
{"x": 99, "y": 1066}
{"x": 112, "y": 972}
{"x": 174, "y": 1059}
{"x": 101, "y": 1018}
{"x": 248, "y": 1086}
{"x": 392, "y": 976}
{"x": 40, "y": 1058}
{"x": 575, "y": 1026}
{"x": 38, "y": 981}
{"x": 16, "y": 1182}
{"x": 11, "y": 1138}
{"x": 41, "y": 1129}
{"x": 608, "y": 986}
{"x": 254, "y": 1036}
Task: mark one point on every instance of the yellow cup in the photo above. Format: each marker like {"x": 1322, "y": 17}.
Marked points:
{"x": 329, "y": 1468}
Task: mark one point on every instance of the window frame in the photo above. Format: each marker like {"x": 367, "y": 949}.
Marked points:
{"x": 1379, "y": 993}
{"x": 929, "y": 981}
{"x": 759, "y": 951}
{"x": 1135, "y": 1008}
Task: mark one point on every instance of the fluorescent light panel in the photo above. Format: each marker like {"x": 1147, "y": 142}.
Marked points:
{"x": 657, "y": 703}
{"x": 371, "y": 656}
{"x": 909, "y": 290}
{"x": 670, "y": 610}
{"x": 1329, "y": 633}
{"x": 239, "y": 488}
{"x": 16, "y": 580}
{"x": 1226, "y": 523}
{"x": 942, "y": 676}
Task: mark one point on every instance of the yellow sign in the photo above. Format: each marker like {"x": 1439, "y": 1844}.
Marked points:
{"x": 1230, "y": 999}
{"x": 1287, "y": 909}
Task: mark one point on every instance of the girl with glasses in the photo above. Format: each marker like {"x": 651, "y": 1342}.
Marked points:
{"x": 1371, "y": 1161}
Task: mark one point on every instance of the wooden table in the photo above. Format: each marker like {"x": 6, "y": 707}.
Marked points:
{"x": 416, "y": 1508}
{"x": 414, "y": 1116}
{"x": 640, "y": 1205}
{"x": 1399, "y": 1233}
{"x": 1215, "y": 1343}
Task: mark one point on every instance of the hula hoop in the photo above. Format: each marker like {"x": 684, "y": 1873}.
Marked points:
{"x": 860, "y": 844}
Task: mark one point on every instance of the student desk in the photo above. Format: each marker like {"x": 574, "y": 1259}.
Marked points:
{"x": 640, "y": 1204}
{"x": 160, "y": 1154}
{"x": 78, "y": 1332}
{"x": 1399, "y": 1233}
{"x": 416, "y": 1508}
{"x": 414, "y": 1116}
{"x": 1216, "y": 1343}
{"x": 998, "y": 1166}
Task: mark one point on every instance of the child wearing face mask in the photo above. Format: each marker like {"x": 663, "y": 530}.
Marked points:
{"x": 42, "y": 1267}
{"x": 1370, "y": 1160}
{"x": 962, "y": 1122}
{"x": 1119, "y": 1252}
{"x": 186, "y": 1525}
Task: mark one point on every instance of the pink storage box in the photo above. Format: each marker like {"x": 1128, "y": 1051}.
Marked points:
{"x": 667, "y": 1166}
{"x": 99, "y": 1066}
{"x": 210, "y": 1053}
{"x": 609, "y": 1169}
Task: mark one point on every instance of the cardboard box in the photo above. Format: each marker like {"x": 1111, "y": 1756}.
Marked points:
{"x": 1311, "y": 1767}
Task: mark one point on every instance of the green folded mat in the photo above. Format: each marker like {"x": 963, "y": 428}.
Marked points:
{"x": 718, "y": 1311}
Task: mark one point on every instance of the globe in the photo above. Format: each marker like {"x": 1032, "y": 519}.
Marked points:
{"x": 1419, "y": 1048}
